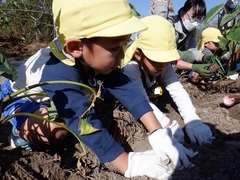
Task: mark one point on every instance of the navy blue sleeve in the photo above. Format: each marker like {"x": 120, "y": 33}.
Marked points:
{"x": 71, "y": 104}
{"x": 120, "y": 86}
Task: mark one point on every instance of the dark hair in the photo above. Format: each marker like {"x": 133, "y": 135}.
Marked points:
{"x": 88, "y": 42}
{"x": 200, "y": 4}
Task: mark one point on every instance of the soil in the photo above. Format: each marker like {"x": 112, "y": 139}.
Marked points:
{"x": 219, "y": 160}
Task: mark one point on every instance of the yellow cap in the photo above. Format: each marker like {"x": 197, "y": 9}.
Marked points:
{"x": 158, "y": 42}
{"x": 209, "y": 34}
{"x": 91, "y": 18}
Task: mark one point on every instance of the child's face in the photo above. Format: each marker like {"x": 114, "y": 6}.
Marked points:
{"x": 153, "y": 68}
{"x": 105, "y": 53}
{"x": 212, "y": 46}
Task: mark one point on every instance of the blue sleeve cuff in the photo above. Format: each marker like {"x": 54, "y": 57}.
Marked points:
{"x": 139, "y": 110}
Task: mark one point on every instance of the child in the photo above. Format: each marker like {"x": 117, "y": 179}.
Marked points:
{"x": 150, "y": 56}
{"x": 209, "y": 45}
{"x": 209, "y": 41}
{"x": 89, "y": 47}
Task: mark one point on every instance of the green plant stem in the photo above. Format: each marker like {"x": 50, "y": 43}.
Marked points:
{"x": 43, "y": 119}
{"x": 10, "y": 97}
{"x": 47, "y": 83}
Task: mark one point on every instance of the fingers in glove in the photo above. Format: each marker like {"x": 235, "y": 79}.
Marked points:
{"x": 163, "y": 158}
{"x": 163, "y": 143}
{"x": 177, "y": 131}
{"x": 189, "y": 152}
{"x": 207, "y": 138}
{"x": 145, "y": 163}
{"x": 184, "y": 153}
{"x": 206, "y": 74}
{"x": 199, "y": 137}
{"x": 203, "y": 134}
{"x": 183, "y": 162}
{"x": 210, "y": 140}
{"x": 191, "y": 136}
{"x": 197, "y": 131}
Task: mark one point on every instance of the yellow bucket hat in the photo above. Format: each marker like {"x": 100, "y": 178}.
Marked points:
{"x": 91, "y": 18}
{"x": 158, "y": 42}
{"x": 209, "y": 34}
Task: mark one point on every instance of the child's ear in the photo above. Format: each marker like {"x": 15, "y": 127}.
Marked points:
{"x": 74, "y": 47}
{"x": 137, "y": 54}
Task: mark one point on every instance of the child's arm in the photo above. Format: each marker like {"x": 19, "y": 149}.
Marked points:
{"x": 165, "y": 147}
{"x": 121, "y": 162}
{"x": 150, "y": 121}
{"x": 199, "y": 68}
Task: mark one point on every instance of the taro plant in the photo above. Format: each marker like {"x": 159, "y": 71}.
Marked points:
{"x": 6, "y": 69}
{"x": 84, "y": 127}
{"x": 229, "y": 24}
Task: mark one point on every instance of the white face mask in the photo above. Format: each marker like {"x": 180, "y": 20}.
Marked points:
{"x": 190, "y": 26}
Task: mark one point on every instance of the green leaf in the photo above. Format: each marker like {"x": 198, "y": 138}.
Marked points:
{"x": 212, "y": 13}
{"x": 6, "y": 69}
{"x": 234, "y": 34}
{"x": 230, "y": 16}
{"x": 223, "y": 43}
{"x": 85, "y": 127}
{"x": 215, "y": 59}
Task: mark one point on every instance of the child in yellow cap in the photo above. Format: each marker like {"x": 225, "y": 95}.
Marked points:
{"x": 209, "y": 41}
{"x": 150, "y": 56}
{"x": 89, "y": 48}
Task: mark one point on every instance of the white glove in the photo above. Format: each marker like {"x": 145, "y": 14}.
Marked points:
{"x": 177, "y": 131}
{"x": 197, "y": 131}
{"x": 169, "y": 152}
{"x": 145, "y": 163}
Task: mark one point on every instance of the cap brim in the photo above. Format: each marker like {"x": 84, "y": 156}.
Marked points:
{"x": 162, "y": 56}
{"x": 127, "y": 27}
{"x": 216, "y": 40}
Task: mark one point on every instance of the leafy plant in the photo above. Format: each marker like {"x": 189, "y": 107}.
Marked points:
{"x": 231, "y": 37}
{"x": 6, "y": 69}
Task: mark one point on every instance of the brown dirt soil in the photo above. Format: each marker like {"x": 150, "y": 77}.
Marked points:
{"x": 15, "y": 51}
{"x": 220, "y": 160}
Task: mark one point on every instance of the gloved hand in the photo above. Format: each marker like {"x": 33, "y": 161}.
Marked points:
{"x": 197, "y": 131}
{"x": 145, "y": 163}
{"x": 165, "y": 122}
{"x": 202, "y": 70}
{"x": 177, "y": 131}
{"x": 169, "y": 152}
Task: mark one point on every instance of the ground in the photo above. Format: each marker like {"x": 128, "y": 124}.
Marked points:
{"x": 219, "y": 160}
